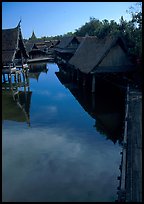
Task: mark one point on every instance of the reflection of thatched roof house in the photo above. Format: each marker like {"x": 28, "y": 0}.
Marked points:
{"x": 34, "y": 75}
{"x": 106, "y": 106}
{"x": 67, "y": 47}
{"x": 12, "y": 46}
{"x": 34, "y": 67}
{"x": 11, "y": 110}
{"x": 101, "y": 56}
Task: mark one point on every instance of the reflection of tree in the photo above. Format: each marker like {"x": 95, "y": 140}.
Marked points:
{"x": 106, "y": 106}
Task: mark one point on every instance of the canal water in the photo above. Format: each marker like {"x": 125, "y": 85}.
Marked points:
{"x": 70, "y": 148}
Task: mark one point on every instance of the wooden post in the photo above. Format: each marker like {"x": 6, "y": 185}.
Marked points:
{"x": 77, "y": 75}
{"x": 4, "y": 79}
{"x": 22, "y": 60}
{"x": 15, "y": 77}
{"x": 9, "y": 77}
{"x": 72, "y": 75}
{"x": 93, "y": 83}
{"x": 84, "y": 80}
{"x": 93, "y": 101}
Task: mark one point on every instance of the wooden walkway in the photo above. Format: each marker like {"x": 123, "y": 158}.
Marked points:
{"x": 130, "y": 189}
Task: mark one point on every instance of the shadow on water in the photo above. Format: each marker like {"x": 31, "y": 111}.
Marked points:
{"x": 106, "y": 105}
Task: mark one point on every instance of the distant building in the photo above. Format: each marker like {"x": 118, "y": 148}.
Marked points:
{"x": 38, "y": 50}
{"x": 33, "y": 37}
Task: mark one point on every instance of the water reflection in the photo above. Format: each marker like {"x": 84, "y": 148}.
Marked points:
{"x": 16, "y": 98}
{"x": 61, "y": 157}
{"x": 16, "y": 110}
{"x": 38, "y": 67}
{"x": 106, "y": 105}
{"x": 16, "y": 94}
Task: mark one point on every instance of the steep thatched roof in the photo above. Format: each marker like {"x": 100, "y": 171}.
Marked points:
{"x": 12, "y": 42}
{"x": 92, "y": 51}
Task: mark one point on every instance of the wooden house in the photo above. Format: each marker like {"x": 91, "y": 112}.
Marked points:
{"x": 105, "y": 55}
{"x": 13, "y": 48}
{"x": 66, "y": 48}
{"x": 38, "y": 50}
{"x": 51, "y": 44}
{"x": 101, "y": 56}
{"x": 30, "y": 44}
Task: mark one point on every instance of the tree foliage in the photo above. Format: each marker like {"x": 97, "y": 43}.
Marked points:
{"x": 130, "y": 30}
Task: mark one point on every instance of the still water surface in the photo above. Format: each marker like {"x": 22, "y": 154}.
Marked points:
{"x": 61, "y": 156}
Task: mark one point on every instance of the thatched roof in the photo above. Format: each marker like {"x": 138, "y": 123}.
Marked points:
{"x": 51, "y": 43}
{"x": 30, "y": 43}
{"x": 92, "y": 52}
{"x": 65, "y": 44}
{"x": 80, "y": 39}
{"x": 55, "y": 42}
{"x": 48, "y": 43}
{"x": 11, "y": 42}
{"x": 41, "y": 46}
{"x": 65, "y": 41}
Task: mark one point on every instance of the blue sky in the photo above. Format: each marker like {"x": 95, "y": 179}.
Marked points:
{"x": 58, "y": 18}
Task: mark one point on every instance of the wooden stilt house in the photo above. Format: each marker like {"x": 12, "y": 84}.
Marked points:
{"x": 13, "y": 49}
{"x": 106, "y": 55}
{"x": 101, "y": 56}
